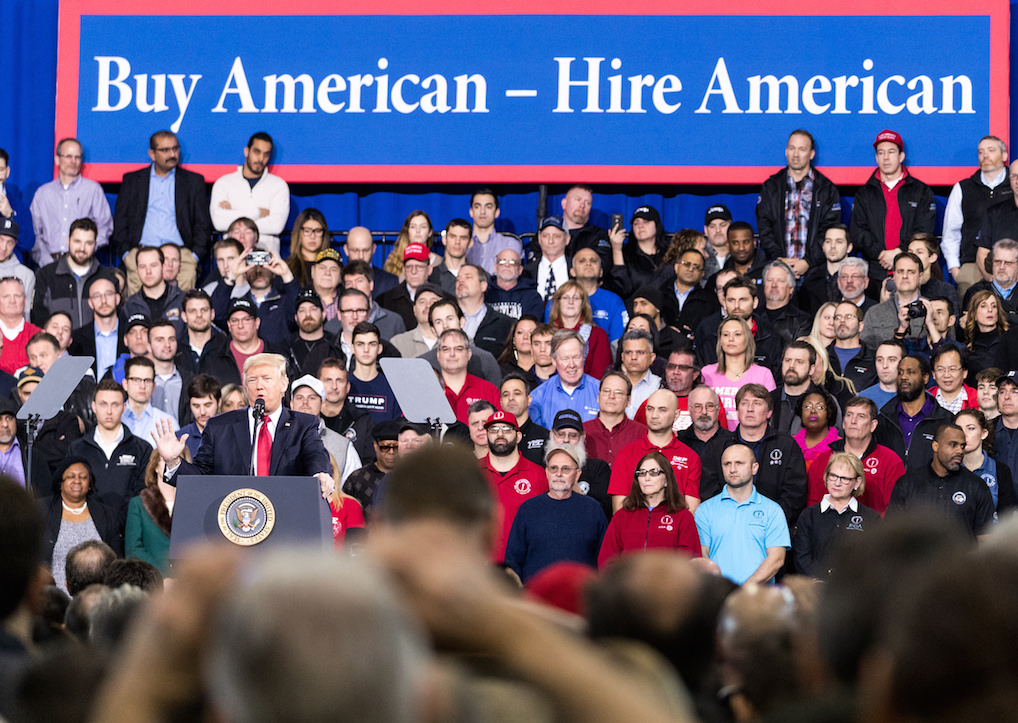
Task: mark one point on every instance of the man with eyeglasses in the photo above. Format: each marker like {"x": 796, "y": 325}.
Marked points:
{"x": 60, "y": 285}
{"x": 560, "y": 526}
{"x": 849, "y": 356}
{"x": 227, "y": 360}
{"x": 820, "y": 283}
{"x": 103, "y": 337}
{"x": 691, "y": 302}
{"x": 637, "y": 356}
{"x": 707, "y": 416}
{"x": 662, "y": 409}
{"x": 252, "y": 192}
{"x": 400, "y": 298}
{"x": 512, "y": 476}
{"x": 1005, "y": 439}
{"x": 1004, "y": 279}
{"x": 740, "y": 528}
{"x": 461, "y": 389}
{"x": 882, "y": 467}
{"x": 69, "y": 190}
{"x": 162, "y": 203}
{"x": 945, "y": 486}
{"x": 361, "y": 275}
{"x": 611, "y": 430}
{"x": 511, "y": 293}
{"x": 456, "y": 241}
{"x": 141, "y": 416}
{"x": 950, "y": 367}
{"x": 609, "y": 309}
{"x": 595, "y": 474}
{"x": 15, "y": 329}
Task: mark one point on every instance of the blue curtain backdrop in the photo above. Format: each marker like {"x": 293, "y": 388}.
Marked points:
{"x": 28, "y": 68}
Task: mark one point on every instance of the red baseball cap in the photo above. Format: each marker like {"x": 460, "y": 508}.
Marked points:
{"x": 502, "y": 418}
{"x": 416, "y": 252}
{"x": 889, "y": 135}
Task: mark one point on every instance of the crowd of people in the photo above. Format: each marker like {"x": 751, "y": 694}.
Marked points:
{"x": 761, "y": 414}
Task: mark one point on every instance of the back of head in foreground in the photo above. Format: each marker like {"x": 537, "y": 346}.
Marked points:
{"x": 441, "y": 482}
{"x": 311, "y": 636}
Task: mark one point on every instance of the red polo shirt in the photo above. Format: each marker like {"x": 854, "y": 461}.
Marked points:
{"x": 474, "y": 389}
{"x": 682, "y": 419}
{"x": 605, "y": 444}
{"x": 512, "y": 489}
{"x": 685, "y": 462}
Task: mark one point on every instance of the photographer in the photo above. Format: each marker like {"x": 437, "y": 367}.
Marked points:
{"x": 273, "y": 291}
{"x": 904, "y": 314}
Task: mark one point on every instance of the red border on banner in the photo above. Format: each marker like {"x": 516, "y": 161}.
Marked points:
{"x": 69, "y": 43}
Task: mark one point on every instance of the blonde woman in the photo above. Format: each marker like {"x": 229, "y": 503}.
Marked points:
{"x": 736, "y": 351}
{"x": 823, "y": 326}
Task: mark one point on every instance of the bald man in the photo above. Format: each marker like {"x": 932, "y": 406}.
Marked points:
{"x": 360, "y": 246}
{"x": 741, "y": 530}
{"x": 662, "y": 409}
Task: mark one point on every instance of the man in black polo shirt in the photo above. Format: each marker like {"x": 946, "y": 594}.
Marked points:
{"x": 946, "y": 486}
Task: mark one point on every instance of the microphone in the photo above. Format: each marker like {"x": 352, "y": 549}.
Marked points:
{"x": 891, "y": 288}
{"x": 258, "y": 410}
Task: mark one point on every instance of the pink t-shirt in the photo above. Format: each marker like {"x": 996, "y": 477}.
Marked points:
{"x": 727, "y": 388}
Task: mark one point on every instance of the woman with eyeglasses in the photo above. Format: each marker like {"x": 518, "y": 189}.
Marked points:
{"x": 816, "y": 411}
{"x": 570, "y": 309}
{"x": 309, "y": 236}
{"x": 653, "y": 515}
{"x": 838, "y": 513}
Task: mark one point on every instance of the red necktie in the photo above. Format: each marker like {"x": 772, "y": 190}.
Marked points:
{"x": 264, "y": 459}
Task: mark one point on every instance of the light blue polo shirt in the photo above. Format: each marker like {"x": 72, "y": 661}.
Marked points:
{"x": 738, "y": 534}
{"x": 550, "y": 398}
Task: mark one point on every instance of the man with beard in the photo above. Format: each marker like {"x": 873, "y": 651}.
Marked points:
{"x": 251, "y": 191}
{"x": 797, "y": 365}
{"x": 716, "y": 221}
{"x": 594, "y": 473}
{"x": 946, "y": 486}
{"x": 576, "y": 206}
{"x": 909, "y": 420}
{"x": 59, "y": 286}
{"x": 706, "y": 416}
{"x": 682, "y": 373}
{"x": 743, "y": 255}
{"x": 849, "y": 356}
{"x": 102, "y": 338}
{"x": 309, "y": 347}
{"x": 514, "y": 478}
{"x": 273, "y": 293}
{"x": 662, "y": 409}
{"x": 560, "y": 526}
{"x": 515, "y": 397}
{"x": 740, "y": 529}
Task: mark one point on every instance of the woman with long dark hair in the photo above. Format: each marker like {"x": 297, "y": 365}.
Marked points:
{"x": 653, "y": 515}
{"x": 310, "y": 235}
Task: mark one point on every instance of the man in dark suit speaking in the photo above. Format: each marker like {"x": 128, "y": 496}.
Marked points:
{"x": 284, "y": 442}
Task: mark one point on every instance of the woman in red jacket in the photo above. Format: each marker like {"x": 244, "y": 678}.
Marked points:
{"x": 654, "y": 515}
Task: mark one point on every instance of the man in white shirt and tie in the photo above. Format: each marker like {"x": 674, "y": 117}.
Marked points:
{"x": 552, "y": 269}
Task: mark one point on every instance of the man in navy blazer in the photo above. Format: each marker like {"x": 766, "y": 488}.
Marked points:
{"x": 146, "y": 192}
{"x": 226, "y": 445}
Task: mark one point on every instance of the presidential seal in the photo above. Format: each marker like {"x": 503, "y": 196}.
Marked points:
{"x": 246, "y": 517}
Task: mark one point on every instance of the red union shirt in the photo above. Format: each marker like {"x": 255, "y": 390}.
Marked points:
{"x": 474, "y": 389}
{"x": 685, "y": 462}
{"x": 881, "y": 466}
{"x": 512, "y": 489}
